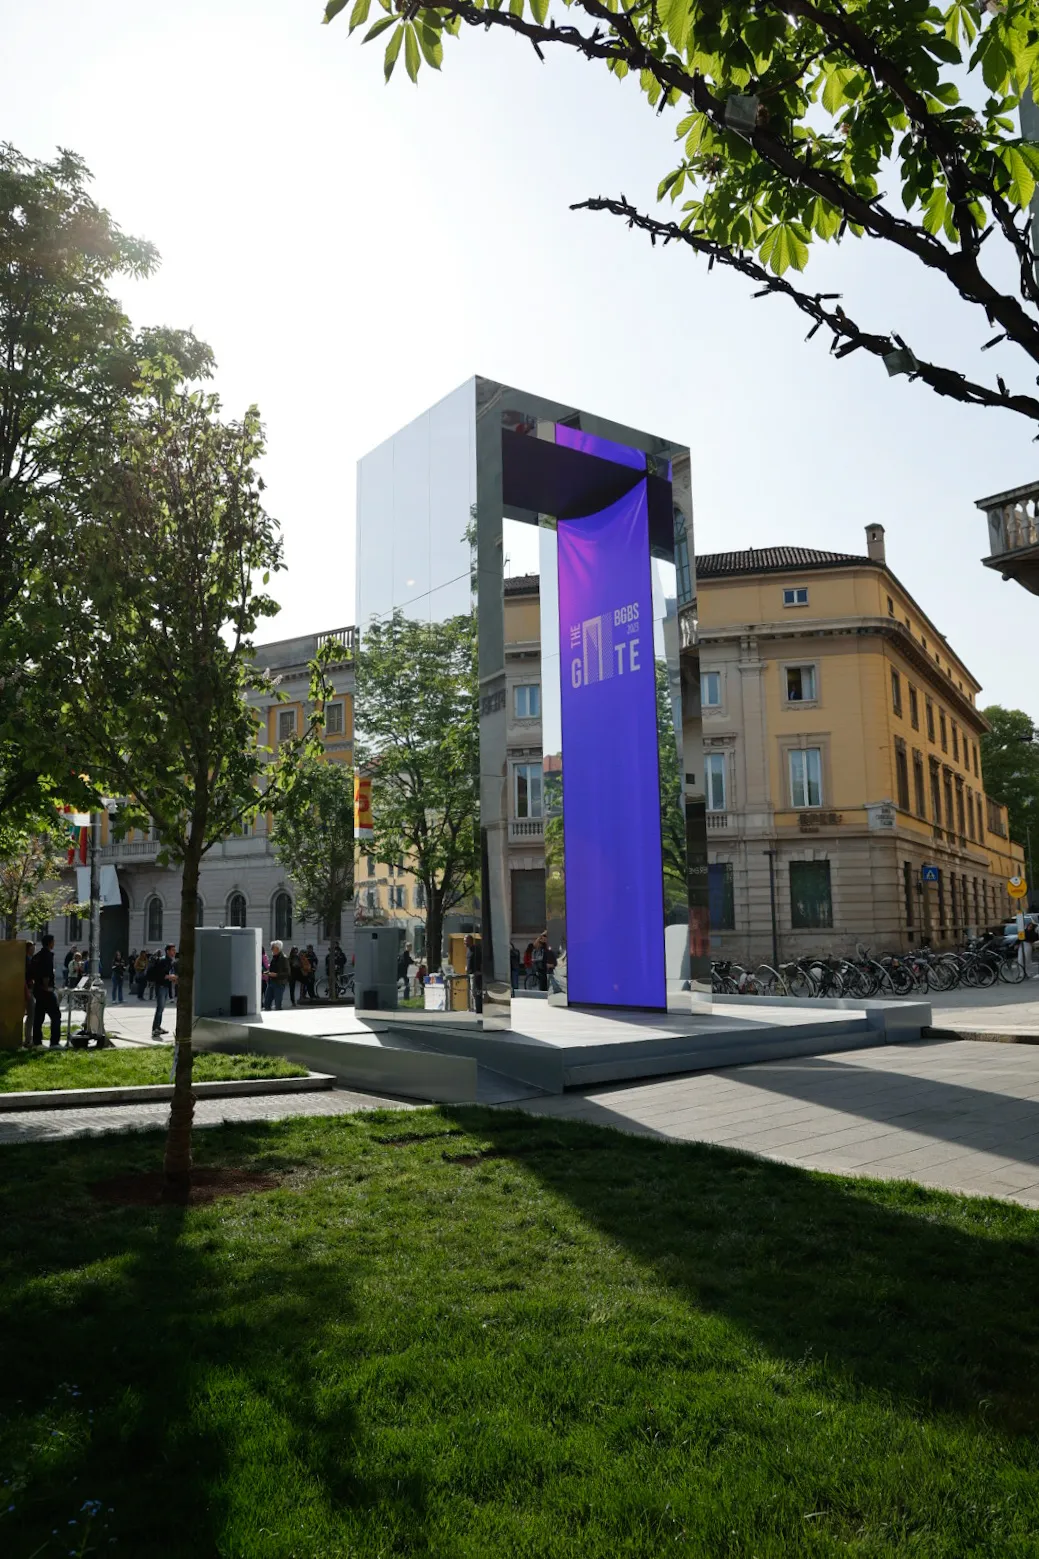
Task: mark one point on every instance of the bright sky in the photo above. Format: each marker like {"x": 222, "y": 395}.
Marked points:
{"x": 352, "y": 252}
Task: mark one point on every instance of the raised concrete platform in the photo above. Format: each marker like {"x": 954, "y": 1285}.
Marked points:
{"x": 450, "y": 1058}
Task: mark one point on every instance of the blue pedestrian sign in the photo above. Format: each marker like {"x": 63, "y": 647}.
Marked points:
{"x": 929, "y": 873}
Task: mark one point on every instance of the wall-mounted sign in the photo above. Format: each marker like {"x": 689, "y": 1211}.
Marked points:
{"x": 929, "y": 873}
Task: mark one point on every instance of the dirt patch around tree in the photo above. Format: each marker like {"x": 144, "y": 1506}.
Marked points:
{"x": 145, "y": 1189}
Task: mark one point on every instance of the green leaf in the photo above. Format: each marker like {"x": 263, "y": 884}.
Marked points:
{"x": 377, "y": 27}
{"x": 1022, "y": 179}
{"x": 431, "y": 45}
{"x": 412, "y": 54}
{"x": 824, "y": 219}
{"x": 539, "y": 11}
{"x": 785, "y": 245}
{"x": 392, "y": 50}
{"x": 359, "y": 14}
{"x": 516, "y": 7}
{"x": 332, "y": 10}
{"x": 836, "y": 80}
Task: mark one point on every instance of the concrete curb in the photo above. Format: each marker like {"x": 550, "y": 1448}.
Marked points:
{"x": 989, "y": 1037}
{"x": 159, "y": 1093}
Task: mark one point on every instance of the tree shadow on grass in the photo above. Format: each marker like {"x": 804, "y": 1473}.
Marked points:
{"x": 886, "y": 1286}
{"x": 173, "y": 1362}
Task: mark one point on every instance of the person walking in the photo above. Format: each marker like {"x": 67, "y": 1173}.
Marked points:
{"x": 163, "y": 974}
{"x": 140, "y": 973}
{"x": 515, "y": 964}
{"x": 277, "y": 979}
{"x": 474, "y": 969}
{"x": 30, "y": 999}
{"x": 539, "y": 962}
{"x": 41, "y": 970}
{"x": 118, "y": 975}
{"x": 295, "y": 974}
{"x": 404, "y": 963}
{"x": 311, "y": 973}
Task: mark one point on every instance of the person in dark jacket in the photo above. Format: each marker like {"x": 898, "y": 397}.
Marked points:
{"x": 162, "y": 973}
{"x": 277, "y": 978}
{"x": 474, "y": 969}
{"x": 41, "y": 972}
{"x": 118, "y": 975}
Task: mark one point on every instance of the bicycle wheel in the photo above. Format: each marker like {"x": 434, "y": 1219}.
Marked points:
{"x": 800, "y": 982}
{"x": 321, "y": 989}
{"x": 987, "y": 974}
{"x": 1012, "y": 970}
{"x": 770, "y": 982}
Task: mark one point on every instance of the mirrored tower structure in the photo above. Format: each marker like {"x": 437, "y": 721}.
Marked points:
{"x": 526, "y": 603}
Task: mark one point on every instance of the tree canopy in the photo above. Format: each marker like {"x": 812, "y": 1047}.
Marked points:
{"x": 313, "y": 839}
{"x": 801, "y": 122}
{"x": 68, "y": 361}
{"x": 173, "y": 552}
{"x": 32, "y": 858}
{"x": 417, "y": 735}
{"x": 1010, "y": 764}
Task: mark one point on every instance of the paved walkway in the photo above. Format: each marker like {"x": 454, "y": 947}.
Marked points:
{"x": 43, "y": 1125}
{"x": 958, "y": 1115}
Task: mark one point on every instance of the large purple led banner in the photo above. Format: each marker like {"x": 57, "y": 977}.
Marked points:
{"x": 611, "y": 775}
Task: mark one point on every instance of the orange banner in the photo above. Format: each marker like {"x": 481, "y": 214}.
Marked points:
{"x": 363, "y": 827}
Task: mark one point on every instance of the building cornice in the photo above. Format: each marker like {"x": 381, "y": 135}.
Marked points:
{"x": 894, "y": 632}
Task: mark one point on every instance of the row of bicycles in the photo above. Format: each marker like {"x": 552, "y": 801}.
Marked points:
{"x": 980, "y": 964}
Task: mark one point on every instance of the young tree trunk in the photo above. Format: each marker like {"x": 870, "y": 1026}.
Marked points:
{"x": 434, "y": 928}
{"x": 177, "y": 1160}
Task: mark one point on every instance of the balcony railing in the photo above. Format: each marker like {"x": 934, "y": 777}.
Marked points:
{"x": 343, "y": 639}
{"x": 526, "y": 828}
{"x": 130, "y": 850}
{"x": 1013, "y": 532}
{"x": 717, "y": 820}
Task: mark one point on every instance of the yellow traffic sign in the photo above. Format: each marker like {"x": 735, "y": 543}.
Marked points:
{"x": 1017, "y": 887}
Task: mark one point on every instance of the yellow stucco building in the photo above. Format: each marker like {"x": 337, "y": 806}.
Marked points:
{"x": 842, "y": 768}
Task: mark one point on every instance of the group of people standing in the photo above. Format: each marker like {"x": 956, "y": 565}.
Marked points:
{"x": 155, "y": 970}
{"x": 537, "y": 961}
{"x": 295, "y": 971}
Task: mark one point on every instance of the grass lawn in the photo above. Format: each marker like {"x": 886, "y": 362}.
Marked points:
{"x": 23, "y": 1070}
{"x": 586, "y": 1345}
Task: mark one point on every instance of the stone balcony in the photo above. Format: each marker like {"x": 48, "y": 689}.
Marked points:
{"x": 1013, "y": 531}
{"x": 526, "y": 828}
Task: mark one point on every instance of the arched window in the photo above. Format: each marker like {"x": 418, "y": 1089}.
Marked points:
{"x": 283, "y": 917}
{"x": 153, "y": 920}
{"x": 236, "y": 909}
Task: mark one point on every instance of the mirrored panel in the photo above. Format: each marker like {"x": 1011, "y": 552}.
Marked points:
{"x": 418, "y": 891}
{"x": 526, "y": 606}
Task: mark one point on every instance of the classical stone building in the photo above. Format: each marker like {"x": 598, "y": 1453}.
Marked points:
{"x": 846, "y": 800}
{"x": 241, "y": 883}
